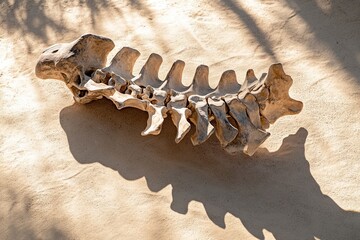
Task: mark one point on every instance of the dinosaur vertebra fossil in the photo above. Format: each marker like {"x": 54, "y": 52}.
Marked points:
{"x": 240, "y": 113}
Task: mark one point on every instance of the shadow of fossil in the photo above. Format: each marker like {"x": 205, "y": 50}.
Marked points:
{"x": 271, "y": 190}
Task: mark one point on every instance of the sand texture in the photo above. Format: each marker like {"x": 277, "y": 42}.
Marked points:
{"x": 72, "y": 171}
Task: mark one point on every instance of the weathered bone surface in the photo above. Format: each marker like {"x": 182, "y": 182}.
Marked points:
{"x": 237, "y": 114}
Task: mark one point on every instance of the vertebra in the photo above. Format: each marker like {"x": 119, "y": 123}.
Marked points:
{"x": 251, "y": 106}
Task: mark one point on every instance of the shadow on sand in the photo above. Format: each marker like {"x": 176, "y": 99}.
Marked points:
{"x": 18, "y": 220}
{"x": 272, "y": 190}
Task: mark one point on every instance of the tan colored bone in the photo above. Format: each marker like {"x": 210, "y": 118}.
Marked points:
{"x": 179, "y": 115}
{"x": 123, "y": 62}
{"x": 70, "y": 62}
{"x": 149, "y": 72}
{"x": 155, "y": 119}
{"x": 200, "y": 118}
{"x": 261, "y": 94}
{"x": 93, "y": 91}
{"x": 197, "y": 103}
{"x": 200, "y": 84}
{"x": 227, "y": 85}
{"x": 156, "y": 109}
{"x": 148, "y": 78}
{"x": 177, "y": 104}
{"x": 121, "y": 68}
{"x": 279, "y": 103}
{"x": 252, "y": 109}
{"x": 249, "y": 137}
{"x": 224, "y": 130}
{"x": 254, "y": 94}
{"x": 249, "y": 83}
{"x": 122, "y": 100}
{"x": 111, "y": 79}
{"x": 173, "y": 80}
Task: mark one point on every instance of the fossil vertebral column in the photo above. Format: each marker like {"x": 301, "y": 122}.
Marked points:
{"x": 238, "y": 114}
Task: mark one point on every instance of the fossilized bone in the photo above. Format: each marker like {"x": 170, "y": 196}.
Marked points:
{"x": 238, "y": 114}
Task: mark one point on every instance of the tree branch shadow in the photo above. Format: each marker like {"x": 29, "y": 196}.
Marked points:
{"x": 271, "y": 190}
{"x": 18, "y": 220}
{"x": 338, "y": 29}
{"x": 31, "y": 16}
{"x": 32, "y": 19}
{"x": 255, "y": 30}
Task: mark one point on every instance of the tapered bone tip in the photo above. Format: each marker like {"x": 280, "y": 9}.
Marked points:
{"x": 250, "y": 77}
{"x": 183, "y": 129}
{"x": 201, "y": 74}
{"x": 174, "y": 76}
{"x": 255, "y": 143}
{"x": 228, "y": 75}
{"x": 250, "y": 81}
{"x": 176, "y": 70}
{"x": 201, "y": 80}
{"x": 156, "y": 115}
{"x": 155, "y": 58}
{"x": 295, "y": 107}
{"x": 277, "y": 69}
{"x": 150, "y": 132}
{"x": 153, "y": 129}
{"x": 123, "y": 62}
{"x": 179, "y": 63}
{"x": 149, "y": 72}
{"x": 201, "y": 137}
{"x": 228, "y": 83}
{"x": 250, "y": 74}
{"x": 126, "y": 54}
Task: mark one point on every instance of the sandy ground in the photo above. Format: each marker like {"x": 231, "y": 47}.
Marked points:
{"x": 70, "y": 171}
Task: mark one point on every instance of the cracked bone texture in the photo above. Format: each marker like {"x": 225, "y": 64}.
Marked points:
{"x": 238, "y": 114}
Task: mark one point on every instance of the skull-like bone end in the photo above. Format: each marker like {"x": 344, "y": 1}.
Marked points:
{"x": 82, "y": 56}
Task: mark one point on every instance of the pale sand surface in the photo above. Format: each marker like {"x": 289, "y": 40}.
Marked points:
{"x": 70, "y": 171}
